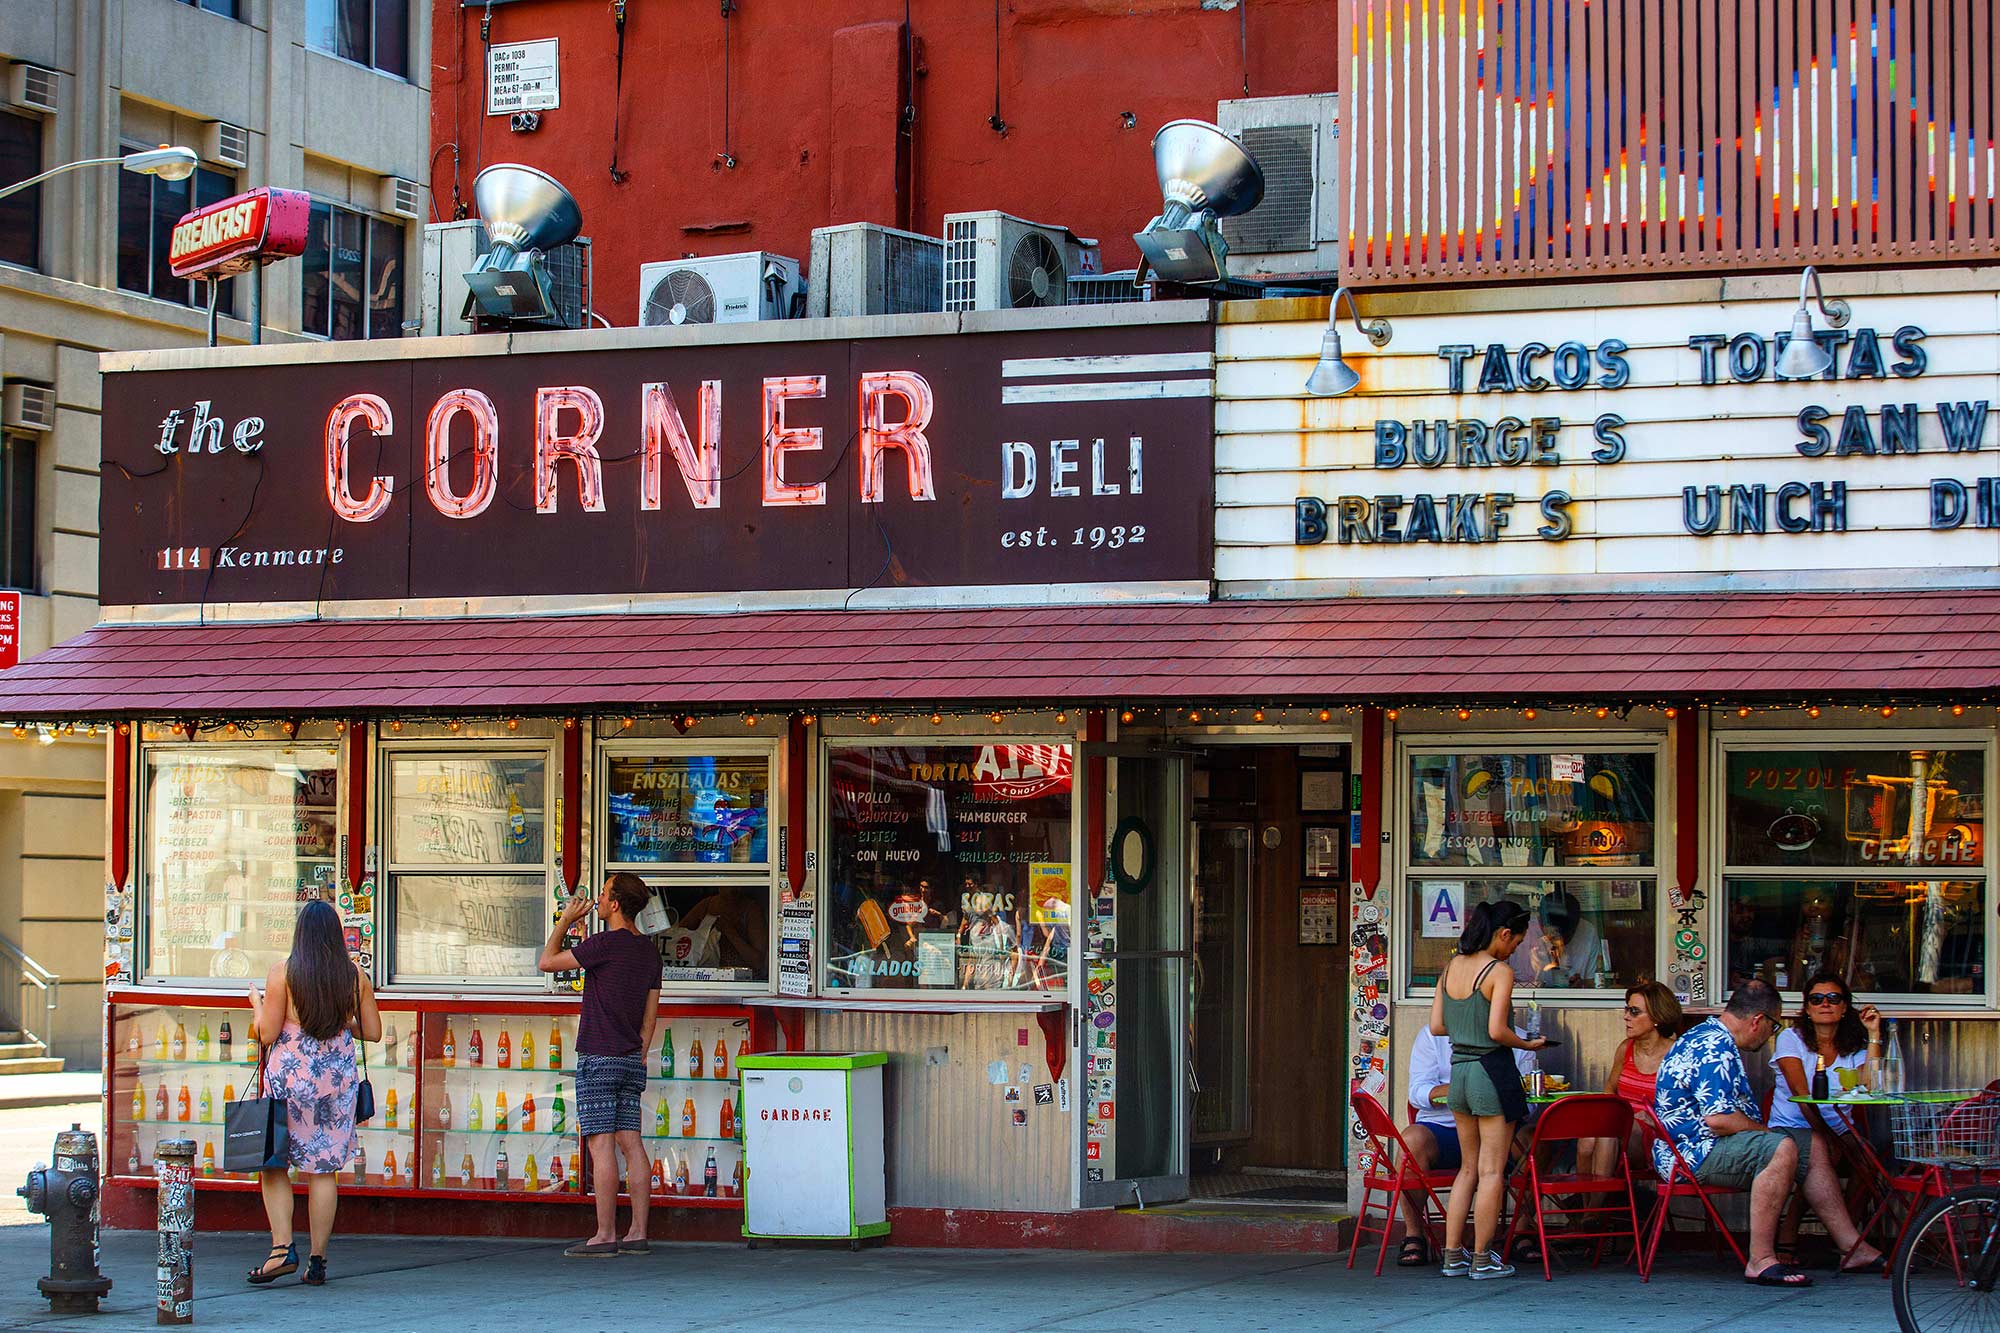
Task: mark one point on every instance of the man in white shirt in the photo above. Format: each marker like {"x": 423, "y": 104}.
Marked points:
{"x": 1433, "y": 1135}
{"x": 1562, "y": 946}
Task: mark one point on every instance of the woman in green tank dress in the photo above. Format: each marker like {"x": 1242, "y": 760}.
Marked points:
{"x": 1474, "y": 1007}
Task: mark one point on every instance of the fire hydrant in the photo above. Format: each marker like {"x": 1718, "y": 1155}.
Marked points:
{"x": 67, "y": 1195}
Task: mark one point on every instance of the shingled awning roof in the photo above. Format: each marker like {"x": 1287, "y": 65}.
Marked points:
{"x": 1942, "y": 644}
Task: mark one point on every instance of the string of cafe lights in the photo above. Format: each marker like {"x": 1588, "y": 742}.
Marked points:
{"x": 1273, "y": 713}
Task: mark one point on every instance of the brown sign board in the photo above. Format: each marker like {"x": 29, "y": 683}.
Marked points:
{"x": 1063, "y": 455}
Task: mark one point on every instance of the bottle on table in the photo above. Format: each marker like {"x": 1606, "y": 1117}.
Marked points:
{"x": 1892, "y": 1063}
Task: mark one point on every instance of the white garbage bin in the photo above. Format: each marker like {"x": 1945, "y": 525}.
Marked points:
{"x": 812, "y": 1146}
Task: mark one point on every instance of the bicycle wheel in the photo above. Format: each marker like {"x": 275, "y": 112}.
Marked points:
{"x": 1932, "y": 1276}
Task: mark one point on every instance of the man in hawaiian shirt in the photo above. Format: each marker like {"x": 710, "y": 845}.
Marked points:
{"x": 1705, "y": 1103}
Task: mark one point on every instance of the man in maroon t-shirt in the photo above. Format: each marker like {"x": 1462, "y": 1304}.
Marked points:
{"x": 621, "y": 1003}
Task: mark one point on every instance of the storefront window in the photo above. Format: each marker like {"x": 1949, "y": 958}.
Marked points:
{"x": 468, "y": 853}
{"x": 1867, "y": 860}
{"x": 1477, "y": 819}
{"x": 236, "y": 838}
{"x": 949, "y": 867}
{"x": 697, "y": 828}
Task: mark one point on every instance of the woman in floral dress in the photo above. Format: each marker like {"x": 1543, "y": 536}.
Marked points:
{"x": 317, "y": 1000}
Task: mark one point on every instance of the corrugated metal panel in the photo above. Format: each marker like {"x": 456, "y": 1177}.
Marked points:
{"x": 951, "y": 1138}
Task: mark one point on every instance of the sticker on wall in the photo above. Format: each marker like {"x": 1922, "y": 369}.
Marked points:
{"x": 1443, "y": 909}
{"x": 1045, "y": 1095}
{"x": 1062, "y": 1095}
{"x": 996, "y": 1073}
{"x": 1020, "y": 1118}
{"x": 1013, "y": 1094}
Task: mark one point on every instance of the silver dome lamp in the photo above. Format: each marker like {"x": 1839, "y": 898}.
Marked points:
{"x": 1204, "y": 176}
{"x": 527, "y": 213}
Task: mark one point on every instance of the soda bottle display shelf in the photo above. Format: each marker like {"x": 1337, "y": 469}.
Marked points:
{"x": 568, "y": 1131}
{"x": 684, "y": 1138}
{"x": 152, "y": 1062}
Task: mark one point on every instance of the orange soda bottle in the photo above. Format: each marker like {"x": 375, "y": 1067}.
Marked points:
{"x": 687, "y": 1119}
{"x": 528, "y": 1113}
{"x": 450, "y": 1044}
{"x": 571, "y": 1183}
{"x": 728, "y": 1119}
{"x": 506, "y": 1049}
{"x": 186, "y": 1103}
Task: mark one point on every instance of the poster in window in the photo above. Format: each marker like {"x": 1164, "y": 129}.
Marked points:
{"x": 688, "y": 810}
{"x": 962, "y": 843}
{"x": 1322, "y": 851}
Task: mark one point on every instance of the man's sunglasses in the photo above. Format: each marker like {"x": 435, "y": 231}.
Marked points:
{"x": 1826, "y": 997}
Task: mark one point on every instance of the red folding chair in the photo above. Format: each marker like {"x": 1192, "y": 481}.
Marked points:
{"x": 1592, "y": 1116}
{"x": 1679, "y": 1183}
{"x": 1391, "y": 1172}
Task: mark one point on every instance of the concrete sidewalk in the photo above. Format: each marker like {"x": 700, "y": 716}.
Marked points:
{"x": 393, "y": 1283}
{"x": 19, "y": 1091}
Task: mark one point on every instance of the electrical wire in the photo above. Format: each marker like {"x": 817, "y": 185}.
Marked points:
{"x": 618, "y": 91}
{"x": 995, "y": 120}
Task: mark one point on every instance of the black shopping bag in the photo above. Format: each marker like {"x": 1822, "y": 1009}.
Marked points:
{"x": 255, "y": 1133}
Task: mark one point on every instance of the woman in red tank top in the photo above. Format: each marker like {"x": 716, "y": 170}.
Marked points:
{"x": 1652, "y": 1019}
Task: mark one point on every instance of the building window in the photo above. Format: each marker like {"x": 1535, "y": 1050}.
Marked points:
{"x": 949, "y": 867}
{"x": 352, "y": 283}
{"x": 20, "y": 214}
{"x": 695, "y": 824}
{"x": 17, "y": 512}
{"x": 148, "y": 208}
{"x": 226, "y": 8}
{"x": 1568, "y": 834}
{"x": 468, "y": 865}
{"x": 1864, "y": 859}
{"x": 375, "y": 33}
{"x": 237, "y": 836}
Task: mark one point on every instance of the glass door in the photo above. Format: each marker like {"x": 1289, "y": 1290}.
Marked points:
{"x": 1220, "y": 1031}
{"x": 1134, "y": 1047}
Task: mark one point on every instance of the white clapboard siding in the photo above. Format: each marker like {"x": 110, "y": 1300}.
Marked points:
{"x": 1275, "y": 444}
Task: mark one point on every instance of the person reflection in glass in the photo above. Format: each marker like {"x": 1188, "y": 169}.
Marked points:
{"x": 742, "y": 925}
{"x": 1563, "y": 947}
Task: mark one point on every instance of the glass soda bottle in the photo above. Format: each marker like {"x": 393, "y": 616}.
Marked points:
{"x": 556, "y": 1182}
{"x": 528, "y": 1113}
{"x": 201, "y": 1041}
{"x": 186, "y": 1103}
{"x": 450, "y": 1044}
{"x": 500, "y": 1168}
{"x": 527, "y": 1047}
{"x": 226, "y": 1041}
{"x": 160, "y": 1101}
{"x": 721, "y": 1059}
{"x": 708, "y": 1175}
{"x": 659, "y": 1177}
{"x": 465, "y": 1170}
{"x": 694, "y": 1057}
{"x": 500, "y": 1111}
{"x": 389, "y": 1167}
{"x": 571, "y": 1182}
{"x": 667, "y": 1053}
{"x": 208, "y": 1159}
{"x": 558, "y": 1113}
{"x": 138, "y": 1100}
{"x": 687, "y": 1119}
{"x": 389, "y": 1112}
{"x": 132, "y": 1161}
{"x": 252, "y": 1046}
{"x": 131, "y": 1038}
{"x": 389, "y": 1046}
{"x": 530, "y": 1176}
{"x": 160, "y": 1043}
{"x": 228, "y": 1093}
{"x": 506, "y": 1049}
{"x": 444, "y": 1111}
{"x": 180, "y": 1047}
{"x": 681, "y": 1173}
{"x": 475, "y": 1048}
{"x": 360, "y": 1164}
{"x": 207, "y": 1104}
{"x": 410, "y": 1169}
{"x": 475, "y": 1117}
{"x": 437, "y": 1169}
{"x": 728, "y": 1130}
{"x": 660, "y": 1116}
{"x": 736, "y": 1184}
{"x": 555, "y": 1044}
{"x": 1892, "y": 1063}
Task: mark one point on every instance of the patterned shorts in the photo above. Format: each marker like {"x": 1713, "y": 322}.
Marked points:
{"x": 608, "y": 1089}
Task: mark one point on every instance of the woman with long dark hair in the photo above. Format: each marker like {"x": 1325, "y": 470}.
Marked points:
{"x": 1474, "y": 1006}
{"x": 1831, "y": 1038}
{"x": 316, "y": 1002}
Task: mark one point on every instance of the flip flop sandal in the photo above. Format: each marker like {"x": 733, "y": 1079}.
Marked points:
{"x": 1873, "y": 1268}
{"x": 260, "y": 1275}
{"x": 1416, "y": 1252}
{"x": 1779, "y": 1275}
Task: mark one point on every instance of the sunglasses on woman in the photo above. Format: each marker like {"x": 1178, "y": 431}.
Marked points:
{"x": 1633, "y": 1011}
{"x": 1826, "y": 997}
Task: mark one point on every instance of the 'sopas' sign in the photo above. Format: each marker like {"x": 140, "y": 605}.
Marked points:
{"x": 235, "y": 235}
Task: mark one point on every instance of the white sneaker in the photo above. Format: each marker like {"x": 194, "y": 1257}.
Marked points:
{"x": 1490, "y": 1264}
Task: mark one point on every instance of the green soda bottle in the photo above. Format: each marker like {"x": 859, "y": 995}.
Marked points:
{"x": 559, "y": 1112}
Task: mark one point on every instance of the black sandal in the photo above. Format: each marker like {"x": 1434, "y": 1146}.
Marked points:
{"x": 1524, "y": 1250}
{"x": 315, "y": 1271}
{"x": 263, "y": 1273}
{"x": 1416, "y": 1252}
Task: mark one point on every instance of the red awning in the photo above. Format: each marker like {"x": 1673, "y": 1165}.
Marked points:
{"x": 1586, "y": 646}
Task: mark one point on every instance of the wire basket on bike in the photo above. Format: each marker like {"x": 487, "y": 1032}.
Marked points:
{"x": 1952, "y": 1128}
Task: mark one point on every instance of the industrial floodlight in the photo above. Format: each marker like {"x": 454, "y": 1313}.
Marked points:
{"x": 1332, "y": 376}
{"x": 526, "y": 213}
{"x": 1803, "y": 357}
{"x": 1205, "y": 176}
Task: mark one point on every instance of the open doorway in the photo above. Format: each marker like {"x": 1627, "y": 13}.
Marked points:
{"x": 1267, "y": 866}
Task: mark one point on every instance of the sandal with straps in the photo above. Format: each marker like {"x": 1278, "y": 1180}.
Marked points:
{"x": 264, "y": 1273}
{"x": 315, "y": 1271}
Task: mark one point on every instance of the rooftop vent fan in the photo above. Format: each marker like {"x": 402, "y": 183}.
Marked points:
{"x": 683, "y": 296}
{"x": 1035, "y": 275}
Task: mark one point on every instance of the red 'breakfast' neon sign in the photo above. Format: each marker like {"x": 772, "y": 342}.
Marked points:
{"x": 569, "y": 423}
{"x": 237, "y": 234}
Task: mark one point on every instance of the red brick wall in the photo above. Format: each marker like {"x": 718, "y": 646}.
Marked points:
{"x": 815, "y": 91}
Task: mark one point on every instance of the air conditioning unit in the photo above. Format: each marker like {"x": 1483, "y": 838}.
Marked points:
{"x": 399, "y": 197}
{"x": 225, "y": 144}
{"x": 33, "y": 88}
{"x": 720, "y": 289}
{"x": 1108, "y": 288}
{"x": 28, "y": 406}
{"x": 995, "y": 261}
{"x": 450, "y": 251}
{"x": 865, "y": 269}
{"x": 1296, "y": 230}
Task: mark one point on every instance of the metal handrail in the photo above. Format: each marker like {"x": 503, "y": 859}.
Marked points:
{"x": 31, "y": 973}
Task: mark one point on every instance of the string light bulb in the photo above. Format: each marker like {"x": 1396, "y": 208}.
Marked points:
{"x": 749, "y": 719}
{"x": 874, "y": 719}
{"x": 1062, "y": 718}
{"x": 1888, "y": 710}
{"x": 687, "y": 722}
{"x": 1528, "y": 713}
{"x": 454, "y": 726}
{"x": 1326, "y": 715}
{"x": 124, "y": 728}
{"x": 626, "y": 724}
{"x": 340, "y": 726}
{"x": 20, "y": 733}
{"x": 513, "y": 724}
{"x": 1126, "y": 717}
{"x": 230, "y": 728}
{"x": 997, "y": 718}
{"x": 1393, "y": 714}
{"x": 569, "y": 724}
{"x": 396, "y": 725}
{"x": 1465, "y": 715}
{"x": 1194, "y": 715}
{"x": 1673, "y": 713}
{"x": 1813, "y": 711}
{"x": 1257, "y": 716}
{"x": 806, "y": 719}
{"x": 1958, "y": 710}
{"x": 1743, "y": 712}
{"x": 1602, "y": 713}
{"x": 937, "y": 719}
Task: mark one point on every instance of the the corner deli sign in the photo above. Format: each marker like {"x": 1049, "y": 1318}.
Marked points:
{"x": 239, "y": 233}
